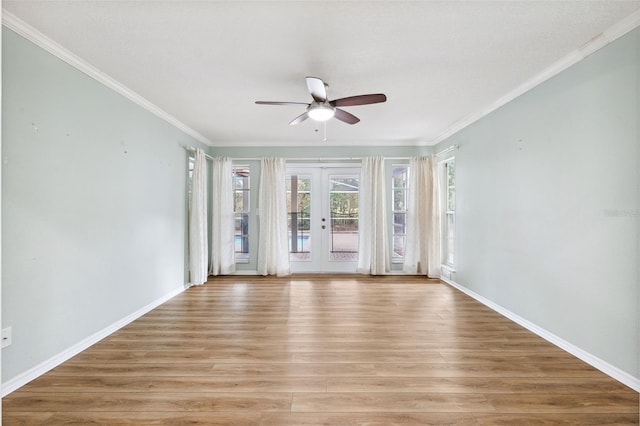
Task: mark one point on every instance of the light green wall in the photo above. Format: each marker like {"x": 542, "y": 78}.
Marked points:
{"x": 94, "y": 190}
{"x": 548, "y": 205}
{"x": 93, "y": 206}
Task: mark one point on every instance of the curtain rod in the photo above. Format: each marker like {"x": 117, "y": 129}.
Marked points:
{"x": 190, "y": 148}
{"x": 319, "y": 158}
{"x": 451, "y": 148}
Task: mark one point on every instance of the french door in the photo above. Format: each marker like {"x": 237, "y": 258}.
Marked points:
{"x": 322, "y": 207}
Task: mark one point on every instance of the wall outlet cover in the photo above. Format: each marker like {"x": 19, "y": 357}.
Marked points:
{"x": 6, "y": 337}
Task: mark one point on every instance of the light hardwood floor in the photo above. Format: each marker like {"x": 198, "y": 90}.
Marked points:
{"x": 323, "y": 350}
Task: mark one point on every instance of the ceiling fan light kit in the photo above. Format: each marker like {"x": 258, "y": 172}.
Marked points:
{"x": 322, "y": 109}
{"x": 321, "y": 112}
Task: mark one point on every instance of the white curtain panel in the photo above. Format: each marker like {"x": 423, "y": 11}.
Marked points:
{"x": 273, "y": 247}
{"x": 422, "y": 247}
{"x": 373, "y": 251}
{"x": 198, "y": 245}
{"x": 222, "y": 218}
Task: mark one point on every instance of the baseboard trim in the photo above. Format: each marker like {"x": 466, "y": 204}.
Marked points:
{"x": 35, "y": 372}
{"x": 253, "y": 272}
{"x": 608, "y": 369}
{"x": 245, "y": 272}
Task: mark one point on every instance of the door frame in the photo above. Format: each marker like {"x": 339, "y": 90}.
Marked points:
{"x": 320, "y": 208}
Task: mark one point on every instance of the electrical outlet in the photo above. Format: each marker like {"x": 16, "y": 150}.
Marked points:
{"x": 6, "y": 337}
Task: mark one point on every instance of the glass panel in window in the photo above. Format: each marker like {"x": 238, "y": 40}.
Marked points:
{"x": 399, "y": 199}
{"x": 400, "y": 177}
{"x": 450, "y": 238}
{"x": 398, "y": 246}
{"x": 451, "y": 199}
{"x": 399, "y": 223}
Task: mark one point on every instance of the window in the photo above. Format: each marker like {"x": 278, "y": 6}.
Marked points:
{"x": 399, "y": 187}
{"x": 192, "y": 165}
{"x": 241, "y": 192}
{"x": 449, "y": 222}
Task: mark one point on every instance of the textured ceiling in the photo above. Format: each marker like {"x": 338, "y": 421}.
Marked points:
{"x": 206, "y": 62}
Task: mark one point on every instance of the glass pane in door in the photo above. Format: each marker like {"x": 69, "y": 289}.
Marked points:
{"x": 343, "y": 209}
{"x": 299, "y": 217}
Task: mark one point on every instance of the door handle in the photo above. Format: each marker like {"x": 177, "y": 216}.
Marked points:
{"x": 323, "y": 227}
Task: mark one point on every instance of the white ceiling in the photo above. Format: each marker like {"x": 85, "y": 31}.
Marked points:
{"x": 206, "y": 62}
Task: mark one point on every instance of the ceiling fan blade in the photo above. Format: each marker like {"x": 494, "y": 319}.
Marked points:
{"x": 359, "y": 100}
{"x": 317, "y": 89}
{"x": 299, "y": 119}
{"x": 345, "y": 116}
{"x": 280, "y": 103}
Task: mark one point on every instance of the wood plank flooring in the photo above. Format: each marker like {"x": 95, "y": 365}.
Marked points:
{"x": 323, "y": 350}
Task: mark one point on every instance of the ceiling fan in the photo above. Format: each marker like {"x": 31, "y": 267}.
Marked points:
{"x": 322, "y": 109}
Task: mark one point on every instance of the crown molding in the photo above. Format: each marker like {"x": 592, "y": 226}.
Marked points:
{"x": 20, "y": 27}
{"x": 596, "y": 43}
